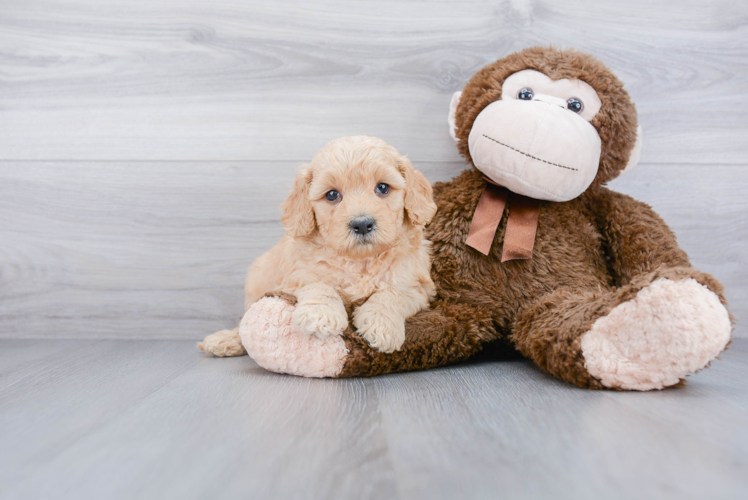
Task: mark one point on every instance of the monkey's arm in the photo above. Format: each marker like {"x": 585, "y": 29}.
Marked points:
{"x": 445, "y": 334}
{"x": 638, "y": 241}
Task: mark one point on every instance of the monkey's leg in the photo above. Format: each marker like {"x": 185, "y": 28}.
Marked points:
{"x": 445, "y": 334}
{"x": 646, "y": 335}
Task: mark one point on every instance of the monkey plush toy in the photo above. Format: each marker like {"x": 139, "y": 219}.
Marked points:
{"x": 531, "y": 252}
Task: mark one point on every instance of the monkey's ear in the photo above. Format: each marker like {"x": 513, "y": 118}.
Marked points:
{"x": 297, "y": 213}
{"x": 636, "y": 152}
{"x": 452, "y": 112}
{"x": 419, "y": 198}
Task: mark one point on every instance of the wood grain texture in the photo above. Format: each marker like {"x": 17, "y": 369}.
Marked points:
{"x": 263, "y": 80}
{"x": 156, "y": 419}
{"x": 159, "y": 250}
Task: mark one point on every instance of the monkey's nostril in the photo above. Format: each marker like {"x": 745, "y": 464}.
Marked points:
{"x": 362, "y": 225}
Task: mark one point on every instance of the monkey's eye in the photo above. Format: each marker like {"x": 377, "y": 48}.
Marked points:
{"x": 526, "y": 94}
{"x": 332, "y": 195}
{"x": 575, "y": 105}
{"x": 382, "y": 188}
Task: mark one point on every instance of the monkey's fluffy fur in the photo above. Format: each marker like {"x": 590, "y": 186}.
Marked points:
{"x": 327, "y": 266}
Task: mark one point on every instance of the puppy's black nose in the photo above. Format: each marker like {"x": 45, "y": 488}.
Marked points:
{"x": 362, "y": 225}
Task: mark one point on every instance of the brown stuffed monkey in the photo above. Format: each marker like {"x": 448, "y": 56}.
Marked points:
{"x": 531, "y": 252}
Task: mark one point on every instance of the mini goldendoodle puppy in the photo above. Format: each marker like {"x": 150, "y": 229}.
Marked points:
{"x": 354, "y": 230}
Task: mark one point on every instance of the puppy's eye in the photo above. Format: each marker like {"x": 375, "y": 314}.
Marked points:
{"x": 382, "y": 188}
{"x": 526, "y": 94}
{"x": 332, "y": 195}
{"x": 575, "y": 105}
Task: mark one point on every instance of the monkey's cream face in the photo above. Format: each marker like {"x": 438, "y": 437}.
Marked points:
{"x": 358, "y": 203}
{"x": 537, "y": 139}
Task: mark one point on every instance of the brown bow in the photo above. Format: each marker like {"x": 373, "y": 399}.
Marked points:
{"x": 521, "y": 225}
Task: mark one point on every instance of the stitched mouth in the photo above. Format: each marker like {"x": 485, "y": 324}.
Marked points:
{"x": 529, "y": 155}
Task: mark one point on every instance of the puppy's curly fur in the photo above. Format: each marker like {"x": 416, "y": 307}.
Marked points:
{"x": 328, "y": 263}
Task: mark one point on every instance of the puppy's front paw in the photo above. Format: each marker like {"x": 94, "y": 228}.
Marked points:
{"x": 320, "y": 319}
{"x": 377, "y": 326}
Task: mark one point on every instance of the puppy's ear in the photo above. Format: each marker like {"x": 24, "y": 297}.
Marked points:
{"x": 419, "y": 198}
{"x": 297, "y": 214}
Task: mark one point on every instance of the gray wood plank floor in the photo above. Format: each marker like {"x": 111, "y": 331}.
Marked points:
{"x": 118, "y": 419}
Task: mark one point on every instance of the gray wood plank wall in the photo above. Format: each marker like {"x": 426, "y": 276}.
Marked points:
{"x": 145, "y": 146}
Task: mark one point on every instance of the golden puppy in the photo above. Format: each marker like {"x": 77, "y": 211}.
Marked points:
{"x": 354, "y": 230}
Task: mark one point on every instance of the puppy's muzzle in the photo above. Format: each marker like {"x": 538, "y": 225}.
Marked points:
{"x": 362, "y": 225}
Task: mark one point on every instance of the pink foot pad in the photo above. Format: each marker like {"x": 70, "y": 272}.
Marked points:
{"x": 271, "y": 340}
{"x": 670, "y": 329}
